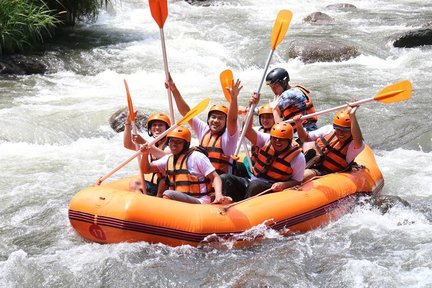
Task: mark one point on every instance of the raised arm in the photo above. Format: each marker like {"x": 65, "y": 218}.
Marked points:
{"x": 301, "y": 132}
{"x": 251, "y": 134}
{"x": 355, "y": 127}
{"x": 233, "y": 109}
{"x": 181, "y": 104}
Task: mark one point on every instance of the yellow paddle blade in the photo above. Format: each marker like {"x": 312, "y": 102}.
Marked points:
{"x": 194, "y": 111}
{"x": 226, "y": 78}
{"x": 394, "y": 93}
{"x": 159, "y": 11}
{"x": 280, "y": 27}
{"x": 129, "y": 100}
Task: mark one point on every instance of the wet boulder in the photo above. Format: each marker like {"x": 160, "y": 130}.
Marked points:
{"x": 386, "y": 202}
{"x": 318, "y": 18}
{"x": 117, "y": 120}
{"x": 21, "y": 65}
{"x": 321, "y": 51}
{"x": 414, "y": 38}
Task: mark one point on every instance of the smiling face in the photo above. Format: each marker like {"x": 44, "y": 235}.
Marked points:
{"x": 216, "y": 121}
{"x": 277, "y": 88}
{"x": 267, "y": 120}
{"x": 280, "y": 144}
{"x": 343, "y": 134}
{"x": 157, "y": 127}
{"x": 176, "y": 145}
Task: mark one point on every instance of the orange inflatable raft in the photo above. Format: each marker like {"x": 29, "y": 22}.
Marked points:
{"x": 110, "y": 213}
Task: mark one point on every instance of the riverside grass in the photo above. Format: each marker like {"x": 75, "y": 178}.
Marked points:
{"x": 24, "y": 24}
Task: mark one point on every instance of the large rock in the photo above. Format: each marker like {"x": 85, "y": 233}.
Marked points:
{"x": 117, "y": 120}
{"x": 22, "y": 65}
{"x": 319, "y": 18}
{"x": 321, "y": 51}
{"x": 414, "y": 38}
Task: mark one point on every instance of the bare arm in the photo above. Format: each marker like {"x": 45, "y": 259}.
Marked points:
{"x": 127, "y": 138}
{"x": 355, "y": 128}
{"x": 276, "y": 115}
{"x": 146, "y": 166}
{"x": 250, "y": 133}
{"x": 159, "y": 153}
{"x": 217, "y": 185}
{"x": 233, "y": 110}
{"x": 182, "y": 106}
{"x": 302, "y": 133}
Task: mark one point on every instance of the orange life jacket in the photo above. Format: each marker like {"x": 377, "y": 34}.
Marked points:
{"x": 180, "y": 179}
{"x": 157, "y": 176}
{"x": 213, "y": 145}
{"x": 274, "y": 167}
{"x": 290, "y": 112}
{"x": 333, "y": 153}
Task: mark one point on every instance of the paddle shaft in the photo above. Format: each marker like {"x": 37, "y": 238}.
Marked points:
{"x": 137, "y": 148}
{"x": 134, "y": 130}
{"x": 165, "y": 61}
{"x": 356, "y": 103}
{"x": 247, "y": 199}
{"x": 252, "y": 107}
{"x": 136, "y": 154}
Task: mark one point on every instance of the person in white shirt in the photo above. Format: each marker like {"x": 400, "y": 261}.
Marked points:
{"x": 336, "y": 145}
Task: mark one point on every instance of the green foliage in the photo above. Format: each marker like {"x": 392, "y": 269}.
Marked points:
{"x": 23, "y": 24}
{"x": 72, "y": 10}
{"x": 27, "y": 23}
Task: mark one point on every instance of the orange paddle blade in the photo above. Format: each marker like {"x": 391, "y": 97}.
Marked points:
{"x": 399, "y": 91}
{"x": 280, "y": 27}
{"x": 226, "y": 78}
{"x": 159, "y": 11}
{"x": 129, "y": 100}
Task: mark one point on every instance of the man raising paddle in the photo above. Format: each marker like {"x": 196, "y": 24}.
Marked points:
{"x": 336, "y": 145}
{"x": 220, "y": 134}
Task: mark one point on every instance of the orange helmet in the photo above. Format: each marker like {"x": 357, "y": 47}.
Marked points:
{"x": 180, "y": 132}
{"x": 218, "y": 107}
{"x": 157, "y": 117}
{"x": 160, "y": 117}
{"x": 265, "y": 109}
{"x": 342, "y": 120}
{"x": 282, "y": 130}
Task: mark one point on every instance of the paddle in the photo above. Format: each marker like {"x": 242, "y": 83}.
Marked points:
{"x": 159, "y": 11}
{"x": 226, "y": 79}
{"x": 134, "y": 131}
{"x": 397, "y": 92}
{"x": 279, "y": 30}
{"x": 192, "y": 113}
{"x": 225, "y": 208}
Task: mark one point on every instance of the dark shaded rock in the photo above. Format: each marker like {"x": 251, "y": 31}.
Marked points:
{"x": 385, "y": 202}
{"x": 321, "y": 51}
{"x": 414, "y": 38}
{"x": 341, "y": 6}
{"x": 21, "y": 65}
{"x": 319, "y": 18}
{"x": 117, "y": 120}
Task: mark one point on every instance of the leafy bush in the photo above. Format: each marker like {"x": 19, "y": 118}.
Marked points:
{"x": 27, "y": 23}
{"x": 24, "y": 24}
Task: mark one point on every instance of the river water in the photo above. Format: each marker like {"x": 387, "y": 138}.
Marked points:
{"x": 55, "y": 140}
